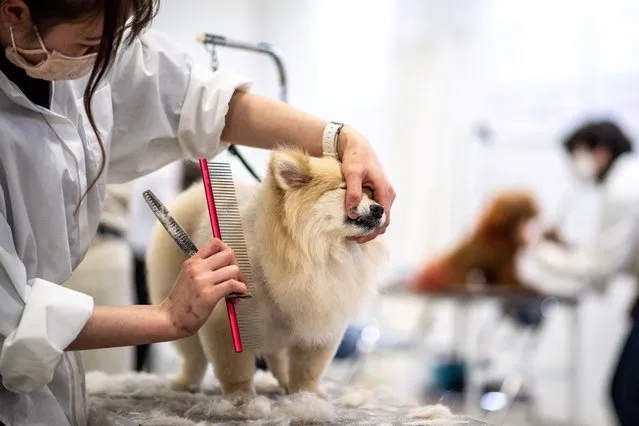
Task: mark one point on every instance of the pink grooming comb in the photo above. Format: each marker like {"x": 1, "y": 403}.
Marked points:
{"x": 227, "y": 226}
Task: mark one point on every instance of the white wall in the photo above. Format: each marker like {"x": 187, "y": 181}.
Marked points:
{"x": 418, "y": 76}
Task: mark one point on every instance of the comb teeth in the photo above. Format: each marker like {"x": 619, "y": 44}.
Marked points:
{"x": 232, "y": 233}
{"x": 170, "y": 224}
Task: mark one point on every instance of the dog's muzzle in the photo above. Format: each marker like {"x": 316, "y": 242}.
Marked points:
{"x": 370, "y": 220}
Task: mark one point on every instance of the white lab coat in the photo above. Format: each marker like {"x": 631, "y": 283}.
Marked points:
{"x": 615, "y": 247}
{"x": 155, "y": 107}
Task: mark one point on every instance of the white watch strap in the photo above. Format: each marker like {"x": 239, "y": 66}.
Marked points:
{"x": 329, "y": 138}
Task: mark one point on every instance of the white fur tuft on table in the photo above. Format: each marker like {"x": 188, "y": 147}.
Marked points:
{"x": 146, "y": 399}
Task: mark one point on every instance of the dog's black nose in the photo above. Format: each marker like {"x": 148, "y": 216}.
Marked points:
{"x": 377, "y": 211}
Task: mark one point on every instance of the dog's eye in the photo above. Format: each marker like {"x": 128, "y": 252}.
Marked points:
{"x": 343, "y": 187}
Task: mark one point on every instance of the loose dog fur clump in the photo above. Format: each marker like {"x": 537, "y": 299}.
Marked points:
{"x": 310, "y": 276}
{"x": 490, "y": 250}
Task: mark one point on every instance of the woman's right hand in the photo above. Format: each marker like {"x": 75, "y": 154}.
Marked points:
{"x": 206, "y": 277}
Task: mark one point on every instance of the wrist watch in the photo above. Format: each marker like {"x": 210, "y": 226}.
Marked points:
{"x": 329, "y": 139}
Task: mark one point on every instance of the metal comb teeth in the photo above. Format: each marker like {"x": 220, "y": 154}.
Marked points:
{"x": 170, "y": 224}
{"x": 231, "y": 230}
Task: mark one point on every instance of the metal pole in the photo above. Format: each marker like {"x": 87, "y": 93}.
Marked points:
{"x": 214, "y": 40}
{"x": 210, "y": 41}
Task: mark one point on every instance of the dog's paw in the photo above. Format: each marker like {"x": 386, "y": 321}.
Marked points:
{"x": 240, "y": 398}
{"x": 179, "y": 386}
{"x": 240, "y": 391}
{"x": 312, "y": 389}
{"x": 283, "y": 386}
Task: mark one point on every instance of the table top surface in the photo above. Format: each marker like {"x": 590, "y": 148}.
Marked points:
{"x": 488, "y": 292}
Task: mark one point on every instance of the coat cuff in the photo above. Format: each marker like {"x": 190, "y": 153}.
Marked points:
{"x": 52, "y": 318}
{"x": 204, "y": 110}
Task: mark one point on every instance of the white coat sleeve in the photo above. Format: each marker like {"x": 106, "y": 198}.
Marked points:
{"x": 165, "y": 107}
{"x": 609, "y": 253}
{"x": 38, "y": 320}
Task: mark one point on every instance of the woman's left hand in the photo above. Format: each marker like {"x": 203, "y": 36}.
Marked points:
{"x": 361, "y": 168}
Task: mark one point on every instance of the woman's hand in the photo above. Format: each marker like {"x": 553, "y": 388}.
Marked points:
{"x": 206, "y": 277}
{"x": 261, "y": 122}
{"x": 361, "y": 168}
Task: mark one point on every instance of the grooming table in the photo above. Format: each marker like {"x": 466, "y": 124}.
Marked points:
{"x": 146, "y": 399}
{"x": 466, "y": 297}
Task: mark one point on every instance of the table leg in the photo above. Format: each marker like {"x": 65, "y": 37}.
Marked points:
{"x": 575, "y": 364}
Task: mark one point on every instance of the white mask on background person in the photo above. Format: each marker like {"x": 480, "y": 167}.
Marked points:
{"x": 585, "y": 166}
{"x": 54, "y": 67}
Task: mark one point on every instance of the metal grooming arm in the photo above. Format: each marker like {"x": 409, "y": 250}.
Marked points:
{"x": 213, "y": 40}
{"x": 210, "y": 41}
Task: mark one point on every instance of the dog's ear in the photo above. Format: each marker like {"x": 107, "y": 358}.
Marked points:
{"x": 291, "y": 170}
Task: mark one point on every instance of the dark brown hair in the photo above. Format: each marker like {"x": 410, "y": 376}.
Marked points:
{"x": 593, "y": 134}
{"x": 599, "y": 134}
{"x": 119, "y": 17}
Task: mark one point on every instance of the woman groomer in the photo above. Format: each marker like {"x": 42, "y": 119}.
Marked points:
{"x": 87, "y": 97}
{"x": 602, "y": 154}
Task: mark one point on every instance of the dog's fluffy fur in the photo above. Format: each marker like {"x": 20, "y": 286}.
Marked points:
{"x": 310, "y": 276}
{"x": 490, "y": 250}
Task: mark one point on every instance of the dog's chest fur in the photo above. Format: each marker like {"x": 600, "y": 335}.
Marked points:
{"x": 313, "y": 308}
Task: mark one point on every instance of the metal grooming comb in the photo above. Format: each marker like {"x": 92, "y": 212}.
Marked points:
{"x": 176, "y": 232}
{"x": 226, "y": 224}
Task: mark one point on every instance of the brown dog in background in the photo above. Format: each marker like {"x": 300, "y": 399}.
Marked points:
{"x": 490, "y": 250}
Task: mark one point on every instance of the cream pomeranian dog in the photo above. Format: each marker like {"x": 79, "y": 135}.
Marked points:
{"x": 310, "y": 276}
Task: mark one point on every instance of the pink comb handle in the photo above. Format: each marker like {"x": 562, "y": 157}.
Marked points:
{"x": 230, "y": 307}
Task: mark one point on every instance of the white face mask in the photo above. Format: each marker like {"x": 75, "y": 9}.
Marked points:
{"x": 585, "y": 166}
{"x": 56, "y": 66}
